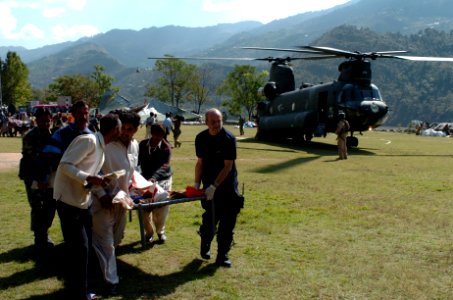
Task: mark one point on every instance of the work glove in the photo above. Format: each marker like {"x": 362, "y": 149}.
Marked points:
{"x": 210, "y": 191}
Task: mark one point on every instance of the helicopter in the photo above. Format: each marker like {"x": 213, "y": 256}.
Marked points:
{"x": 301, "y": 113}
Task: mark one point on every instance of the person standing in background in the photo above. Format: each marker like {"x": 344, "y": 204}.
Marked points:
{"x": 342, "y": 131}
{"x": 177, "y": 121}
{"x": 39, "y": 194}
{"x": 152, "y": 119}
{"x": 168, "y": 126}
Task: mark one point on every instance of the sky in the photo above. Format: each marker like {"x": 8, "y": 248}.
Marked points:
{"x": 36, "y": 23}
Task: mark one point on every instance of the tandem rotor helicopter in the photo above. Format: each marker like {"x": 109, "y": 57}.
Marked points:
{"x": 300, "y": 113}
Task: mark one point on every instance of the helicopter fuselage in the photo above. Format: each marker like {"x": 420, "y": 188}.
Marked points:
{"x": 313, "y": 110}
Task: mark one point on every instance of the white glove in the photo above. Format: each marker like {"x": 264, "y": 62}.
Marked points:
{"x": 210, "y": 191}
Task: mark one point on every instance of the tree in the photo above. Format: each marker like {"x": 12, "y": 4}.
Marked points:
{"x": 15, "y": 88}
{"x": 200, "y": 89}
{"x": 78, "y": 87}
{"x": 241, "y": 86}
{"x": 174, "y": 84}
{"x": 103, "y": 83}
{"x": 40, "y": 94}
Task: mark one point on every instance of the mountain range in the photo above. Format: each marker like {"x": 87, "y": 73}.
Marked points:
{"x": 123, "y": 53}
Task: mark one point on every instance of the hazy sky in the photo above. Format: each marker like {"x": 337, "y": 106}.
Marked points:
{"x": 35, "y": 23}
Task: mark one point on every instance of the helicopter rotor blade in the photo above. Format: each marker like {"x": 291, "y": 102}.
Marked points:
{"x": 329, "y": 50}
{"x": 390, "y": 52}
{"x": 356, "y": 54}
{"x": 283, "y": 49}
{"x": 422, "y": 58}
{"x": 208, "y": 58}
{"x": 269, "y": 59}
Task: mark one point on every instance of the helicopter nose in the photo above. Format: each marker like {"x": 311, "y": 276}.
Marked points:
{"x": 377, "y": 108}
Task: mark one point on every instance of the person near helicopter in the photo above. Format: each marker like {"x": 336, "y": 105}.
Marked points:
{"x": 342, "y": 131}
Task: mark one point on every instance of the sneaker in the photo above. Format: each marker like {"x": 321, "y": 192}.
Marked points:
{"x": 162, "y": 238}
{"x": 50, "y": 242}
{"x": 223, "y": 261}
{"x": 93, "y": 296}
{"x": 205, "y": 250}
{"x": 149, "y": 239}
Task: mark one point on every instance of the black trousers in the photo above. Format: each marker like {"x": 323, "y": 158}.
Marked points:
{"x": 43, "y": 208}
{"x": 220, "y": 215}
{"x": 76, "y": 225}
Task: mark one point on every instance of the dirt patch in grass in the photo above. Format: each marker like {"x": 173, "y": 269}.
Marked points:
{"x": 9, "y": 161}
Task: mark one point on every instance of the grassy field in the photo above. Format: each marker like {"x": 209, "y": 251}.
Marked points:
{"x": 376, "y": 226}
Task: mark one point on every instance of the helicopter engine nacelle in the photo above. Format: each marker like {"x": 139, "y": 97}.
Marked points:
{"x": 355, "y": 71}
{"x": 270, "y": 90}
{"x": 283, "y": 77}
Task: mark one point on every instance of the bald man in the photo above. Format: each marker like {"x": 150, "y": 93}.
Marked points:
{"x": 216, "y": 170}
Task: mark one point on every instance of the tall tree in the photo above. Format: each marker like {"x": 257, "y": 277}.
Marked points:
{"x": 103, "y": 83}
{"x": 79, "y": 87}
{"x": 241, "y": 86}
{"x": 174, "y": 84}
{"x": 15, "y": 88}
{"x": 200, "y": 88}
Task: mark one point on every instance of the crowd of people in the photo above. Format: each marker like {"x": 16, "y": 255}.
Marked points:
{"x": 66, "y": 171}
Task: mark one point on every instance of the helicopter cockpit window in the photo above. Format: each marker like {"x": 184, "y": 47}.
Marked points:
{"x": 370, "y": 93}
{"x": 352, "y": 92}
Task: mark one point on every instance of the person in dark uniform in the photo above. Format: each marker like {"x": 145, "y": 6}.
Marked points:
{"x": 215, "y": 168}
{"x": 39, "y": 194}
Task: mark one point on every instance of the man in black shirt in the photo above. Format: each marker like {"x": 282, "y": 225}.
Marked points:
{"x": 39, "y": 194}
{"x": 215, "y": 168}
{"x": 154, "y": 156}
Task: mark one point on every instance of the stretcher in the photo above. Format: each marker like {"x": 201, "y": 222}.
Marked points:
{"x": 140, "y": 207}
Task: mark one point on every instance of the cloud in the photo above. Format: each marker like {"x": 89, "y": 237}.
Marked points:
{"x": 19, "y": 20}
{"x": 30, "y": 31}
{"x": 63, "y": 33}
{"x": 264, "y": 10}
{"x": 8, "y": 26}
{"x": 7, "y": 21}
{"x": 78, "y": 5}
{"x": 53, "y": 12}
{"x": 61, "y": 7}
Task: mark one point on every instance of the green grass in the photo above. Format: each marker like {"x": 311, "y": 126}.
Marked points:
{"x": 377, "y": 226}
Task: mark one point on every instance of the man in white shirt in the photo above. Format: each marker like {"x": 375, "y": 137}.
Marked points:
{"x": 77, "y": 172}
{"x": 109, "y": 219}
{"x": 168, "y": 125}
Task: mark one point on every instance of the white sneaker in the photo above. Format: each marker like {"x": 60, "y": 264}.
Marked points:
{"x": 162, "y": 237}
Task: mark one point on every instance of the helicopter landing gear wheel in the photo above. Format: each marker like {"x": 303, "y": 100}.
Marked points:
{"x": 352, "y": 141}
